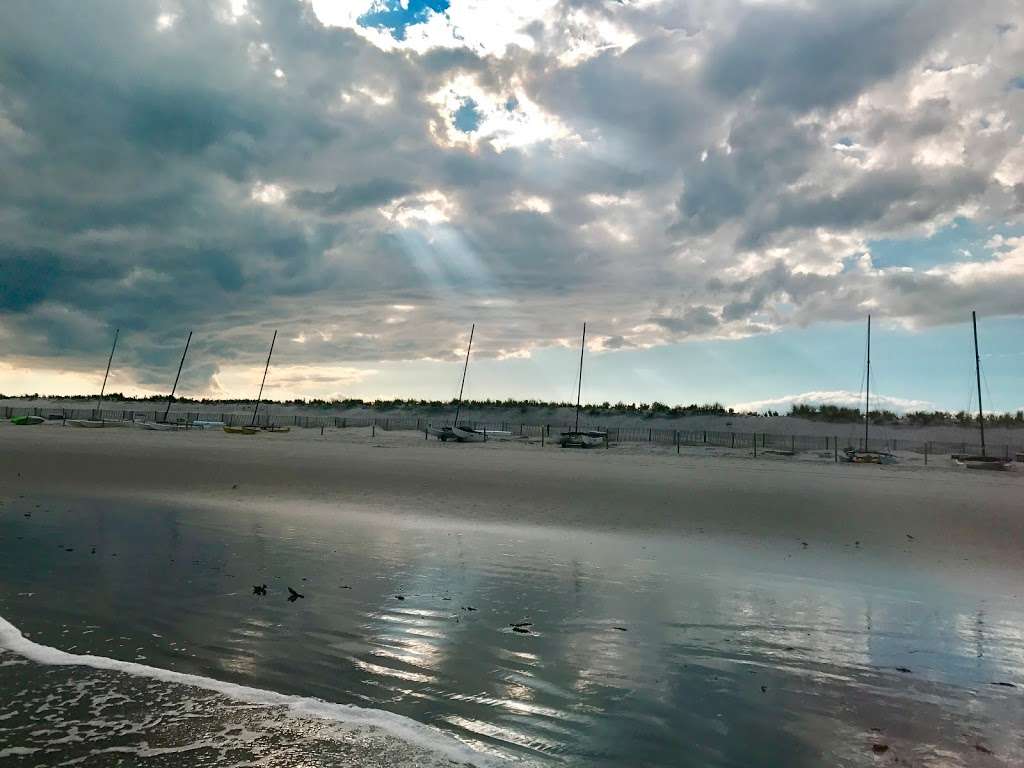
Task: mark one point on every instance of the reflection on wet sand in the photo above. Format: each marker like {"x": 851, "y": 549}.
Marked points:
{"x": 657, "y": 650}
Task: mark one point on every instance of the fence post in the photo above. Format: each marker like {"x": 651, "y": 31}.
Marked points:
{"x": 675, "y": 436}
{"x": 792, "y": 443}
{"x": 755, "y": 444}
{"x": 926, "y": 453}
{"x": 835, "y": 448}
{"x": 542, "y": 438}
{"x": 705, "y": 435}
{"x": 732, "y": 436}
{"x": 373, "y": 429}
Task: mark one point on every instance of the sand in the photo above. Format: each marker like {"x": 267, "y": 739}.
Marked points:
{"x": 848, "y": 606}
{"x": 955, "y": 516}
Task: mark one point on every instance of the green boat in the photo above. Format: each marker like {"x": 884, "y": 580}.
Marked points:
{"x": 23, "y": 421}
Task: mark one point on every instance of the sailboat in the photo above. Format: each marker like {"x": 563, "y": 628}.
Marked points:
{"x": 866, "y": 456}
{"x": 163, "y": 425}
{"x": 251, "y": 428}
{"x": 460, "y": 432}
{"x": 586, "y": 438}
{"x": 98, "y": 423}
{"x": 984, "y": 461}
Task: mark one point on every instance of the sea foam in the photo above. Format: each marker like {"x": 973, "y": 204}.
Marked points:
{"x": 410, "y": 731}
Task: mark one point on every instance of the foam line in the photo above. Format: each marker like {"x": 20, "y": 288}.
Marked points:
{"x": 408, "y": 730}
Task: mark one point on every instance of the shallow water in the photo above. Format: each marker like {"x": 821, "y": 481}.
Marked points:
{"x": 640, "y": 650}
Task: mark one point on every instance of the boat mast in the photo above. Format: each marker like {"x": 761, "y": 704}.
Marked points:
{"x": 175, "y": 387}
{"x": 867, "y": 390}
{"x": 579, "y": 385}
{"x": 465, "y": 368}
{"x": 99, "y": 403}
{"x": 260, "y": 396}
{"x": 977, "y": 373}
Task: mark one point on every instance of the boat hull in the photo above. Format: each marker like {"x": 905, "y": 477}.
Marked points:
{"x": 981, "y": 462}
{"x": 870, "y": 457}
{"x": 97, "y": 423}
{"x": 27, "y": 421}
{"x": 589, "y": 439}
{"x": 240, "y": 430}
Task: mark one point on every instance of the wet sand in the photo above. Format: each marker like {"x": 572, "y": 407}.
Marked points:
{"x": 951, "y": 513}
{"x": 704, "y": 610}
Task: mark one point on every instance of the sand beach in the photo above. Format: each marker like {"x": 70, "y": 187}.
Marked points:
{"x": 831, "y": 613}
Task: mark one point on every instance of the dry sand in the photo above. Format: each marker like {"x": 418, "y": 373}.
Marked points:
{"x": 958, "y": 519}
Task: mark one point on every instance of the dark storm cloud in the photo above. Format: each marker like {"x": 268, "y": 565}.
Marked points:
{"x": 887, "y": 199}
{"x": 345, "y": 198}
{"x": 804, "y": 57}
{"x": 169, "y": 166}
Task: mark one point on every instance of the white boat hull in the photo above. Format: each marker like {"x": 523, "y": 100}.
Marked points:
{"x": 157, "y": 426}
{"x": 982, "y": 462}
{"x": 97, "y": 423}
{"x": 467, "y": 435}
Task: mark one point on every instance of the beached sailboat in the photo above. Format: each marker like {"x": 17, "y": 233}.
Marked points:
{"x": 464, "y": 433}
{"x": 454, "y": 431}
{"x": 984, "y": 461}
{"x": 100, "y": 422}
{"x": 259, "y": 397}
{"x": 585, "y": 438}
{"x": 865, "y": 455}
{"x": 163, "y": 425}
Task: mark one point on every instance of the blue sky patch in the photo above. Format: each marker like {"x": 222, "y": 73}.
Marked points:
{"x": 397, "y": 15}
{"x": 944, "y": 247}
{"x": 467, "y": 117}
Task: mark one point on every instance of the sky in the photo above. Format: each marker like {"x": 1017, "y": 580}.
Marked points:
{"x": 722, "y": 189}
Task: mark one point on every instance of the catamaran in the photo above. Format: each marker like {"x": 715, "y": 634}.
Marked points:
{"x": 984, "y": 461}
{"x": 591, "y": 438}
{"x": 461, "y": 432}
{"x": 865, "y": 455}
{"x": 163, "y": 425}
{"x": 251, "y": 428}
{"x": 100, "y": 422}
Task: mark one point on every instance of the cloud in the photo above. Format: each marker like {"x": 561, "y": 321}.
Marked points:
{"x": 346, "y": 198}
{"x": 836, "y": 397}
{"x": 668, "y": 170}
